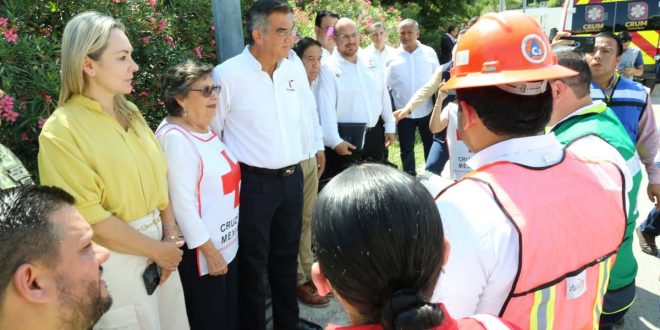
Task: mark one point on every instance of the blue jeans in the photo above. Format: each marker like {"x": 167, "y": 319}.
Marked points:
{"x": 406, "y": 129}
{"x": 652, "y": 223}
{"x": 439, "y": 153}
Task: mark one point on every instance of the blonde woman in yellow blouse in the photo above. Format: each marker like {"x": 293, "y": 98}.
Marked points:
{"x": 98, "y": 147}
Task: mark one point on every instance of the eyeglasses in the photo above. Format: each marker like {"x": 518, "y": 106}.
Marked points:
{"x": 284, "y": 33}
{"x": 347, "y": 37}
{"x": 208, "y": 90}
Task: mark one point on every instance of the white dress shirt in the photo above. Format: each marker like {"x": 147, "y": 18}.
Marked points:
{"x": 351, "y": 93}
{"x": 407, "y": 72}
{"x": 312, "y": 133}
{"x": 378, "y": 58}
{"x": 261, "y": 118}
{"x": 483, "y": 259}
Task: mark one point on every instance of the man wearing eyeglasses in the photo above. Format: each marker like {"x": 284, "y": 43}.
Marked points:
{"x": 260, "y": 114}
{"x": 410, "y": 67}
{"x": 352, "y": 92}
{"x": 378, "y": 53}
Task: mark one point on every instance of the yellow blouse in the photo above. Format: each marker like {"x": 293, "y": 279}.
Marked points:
{"x": 108, "y": 170}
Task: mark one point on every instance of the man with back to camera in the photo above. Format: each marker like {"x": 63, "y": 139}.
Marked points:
{"x": 521, "y": 253}
{"x": 350, "y": 91}
{"x": 260, "y": 112}
{"x": 51, "y": 270}
{"x": 410, "y": 67}
{"x": 632, "y": 104}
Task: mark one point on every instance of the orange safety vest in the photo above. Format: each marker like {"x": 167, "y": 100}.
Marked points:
{"x": 570, "y": 218}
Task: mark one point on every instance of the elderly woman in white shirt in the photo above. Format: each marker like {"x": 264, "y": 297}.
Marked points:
{"x": 204, "y": 180}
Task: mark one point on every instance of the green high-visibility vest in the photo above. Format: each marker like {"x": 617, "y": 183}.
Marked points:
{"x": 601, "y": 121}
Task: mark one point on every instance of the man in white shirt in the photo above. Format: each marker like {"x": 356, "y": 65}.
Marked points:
{"x": 350, "y": 91}
{"x": 261, "y": 115}
{"x": 517, "y": 224}
{"x": 323, "y": 28}
{"x": 409, "y": 68}
{"x": 378, "y": 53}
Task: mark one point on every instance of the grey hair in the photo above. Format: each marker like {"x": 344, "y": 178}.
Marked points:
{"x": 177, "y": 80}
{"x": 408, "y": 22}
{"x": 257, "y": 16}
{"x": 378, "y": 24}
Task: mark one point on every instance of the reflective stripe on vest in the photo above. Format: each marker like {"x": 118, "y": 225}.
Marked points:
{"x": 564, "y": 239}
{"x": 628, "y": 102}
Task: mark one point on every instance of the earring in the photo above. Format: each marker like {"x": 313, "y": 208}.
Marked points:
{"x": 185, "y": 112}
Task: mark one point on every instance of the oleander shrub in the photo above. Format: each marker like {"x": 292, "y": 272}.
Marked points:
{"x": 162, "y": 32}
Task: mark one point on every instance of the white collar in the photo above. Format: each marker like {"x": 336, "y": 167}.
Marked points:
{"x": 535, "y": 151}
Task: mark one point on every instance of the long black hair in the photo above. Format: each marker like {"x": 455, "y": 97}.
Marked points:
{"x": 378, "y": 238}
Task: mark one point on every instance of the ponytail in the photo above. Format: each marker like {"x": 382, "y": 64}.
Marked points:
{"x": 407, "y": 310}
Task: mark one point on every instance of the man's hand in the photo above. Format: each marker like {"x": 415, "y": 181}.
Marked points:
{"x": 653, "y": 190}
{"x": 344, "y": 148}
{"x": 320, "y": 162}
{"x": 559, "y": 40}
{"x": 400, "y": 114}
{"x": 390, "y": 138}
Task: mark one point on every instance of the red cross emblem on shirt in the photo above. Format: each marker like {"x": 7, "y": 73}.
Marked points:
{"x": 232, "y": 180}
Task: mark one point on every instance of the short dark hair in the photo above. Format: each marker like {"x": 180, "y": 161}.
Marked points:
{"x": 176, "y": 81}
{"x": 257, "y": 16}
{"x": 625, "y": 36}
{"x": 505, "y": 113}
{"x": 451, "y": 28}
{"x": 581, "y": 83}
{"x": 379, "y": 241}
{"x": 301, "y": 45}
{"x": 26, "y": 233}
{"x": 321, "y": 14}
{"x": 610, "y": 34}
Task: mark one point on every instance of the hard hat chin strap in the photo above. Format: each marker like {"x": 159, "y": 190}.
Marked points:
{"x": 527, "y": 88}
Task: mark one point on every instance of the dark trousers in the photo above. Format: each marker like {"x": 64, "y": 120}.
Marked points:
{"x": 269, "y": 233}
{"x": 439, "y": 154}
{"x": 406, "y": 129}
{"x": 373, "y": 151}
{"x": 651, "y": 225}
{"x": 211, "y": 301}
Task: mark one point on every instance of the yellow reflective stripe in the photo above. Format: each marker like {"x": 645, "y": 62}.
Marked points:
{"x": 603, "y": 280}
{"x": 582, "y": 2}
{"x": 550, "y": 315}
{"x": 542, "y": 314}
{"x": 533, "y": 315}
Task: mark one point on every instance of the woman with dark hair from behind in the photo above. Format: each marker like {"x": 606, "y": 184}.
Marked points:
{"x": 380, "y": 246}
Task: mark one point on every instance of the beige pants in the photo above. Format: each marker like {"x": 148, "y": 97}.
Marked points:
{"x": 310, "y": 191}
{"x": 132, "y": 308}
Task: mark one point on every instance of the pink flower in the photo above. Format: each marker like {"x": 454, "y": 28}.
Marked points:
{"x": 3, "y": 21}
{"x": 144, "y": 94}
{"x": 41, "y": 122}
{"x": 162, "y": 26}
{"x": 146, "y": 40}
{"x": 169, "y": 40}
{"x": 198, "y": 52}
{"x": 116, "y": 1}
{"x": 367, "y": 4}
{"x": 10, "y": 36}
{"x": 24, "y": 137}
{"x": 212, "y": 42}
{"x": 7, "y": 103}
{"x": 152, "y": 21}
{"x": 48, "y": 99}
{"x": 9, "y": 115}
{"x": 212, "y": 28}
{"x": 152, "y": 3}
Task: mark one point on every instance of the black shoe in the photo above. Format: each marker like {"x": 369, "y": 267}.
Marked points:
{"x": 307, "y": 325}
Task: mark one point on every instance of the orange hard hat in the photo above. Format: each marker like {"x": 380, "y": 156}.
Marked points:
{"x": 504, "y": 48}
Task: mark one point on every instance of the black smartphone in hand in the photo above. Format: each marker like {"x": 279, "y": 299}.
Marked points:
{"x": 583, "y": 44}
{"x": 151, "y": 277}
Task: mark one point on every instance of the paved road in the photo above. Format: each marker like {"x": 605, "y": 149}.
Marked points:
{"x": 645, "y": 314}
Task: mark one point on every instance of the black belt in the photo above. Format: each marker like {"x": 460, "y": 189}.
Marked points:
{"x": 282, "y": 172}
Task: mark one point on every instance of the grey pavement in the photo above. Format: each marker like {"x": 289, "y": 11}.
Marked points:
{"x": 644, "y": 314}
